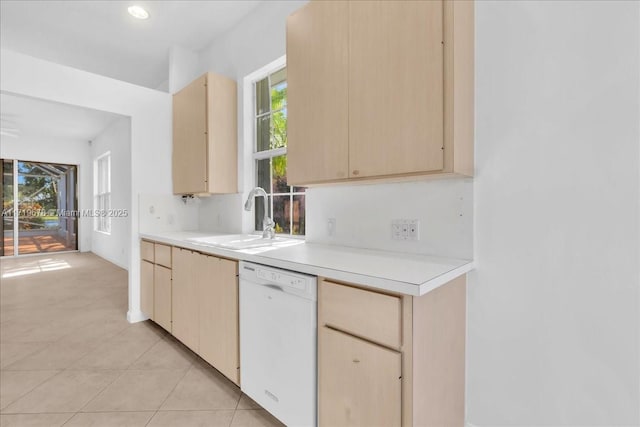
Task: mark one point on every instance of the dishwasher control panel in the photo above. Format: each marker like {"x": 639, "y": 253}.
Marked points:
{"x": 292, "y": 282}
{"x": 280, "y": 278}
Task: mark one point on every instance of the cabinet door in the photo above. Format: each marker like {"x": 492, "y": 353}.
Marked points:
{"x": 190, "y": 138}
{"x": 395, "y": 87}
{"x": 184, "y": 296}
{"x": 317, "y": 92}
{"x": 162, "y": 296}
{"x": 218, "y": 297}
{"x": 359, "y": 382}
{"x": 222, "y": 132}
{"x": 146, "y": 288}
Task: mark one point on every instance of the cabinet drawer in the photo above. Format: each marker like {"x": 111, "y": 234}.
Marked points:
{"x": 146, "y": 251}
{"x": 371, "y": 315}
{"x": 163, "y": 255}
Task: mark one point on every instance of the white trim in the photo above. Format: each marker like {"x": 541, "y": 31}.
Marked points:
{"x": 248, "y": 143}
{"x": 40, "y": 254}
{"x": 251, "y": 155}
{"x": 264, "y": 71}
{"x": 267, "y": 154}
{"x": 16, "y": 217}
{"x": 135, "y": 316}
{"x": 102, "y": 224}
{"x": 105, "y": 154}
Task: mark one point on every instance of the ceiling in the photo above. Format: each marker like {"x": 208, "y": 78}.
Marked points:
{"x": 24, "y": 118}
{"x": 101, "y": 37}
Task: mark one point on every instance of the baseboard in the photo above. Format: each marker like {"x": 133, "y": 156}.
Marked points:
{"x": 136, "y": 316}
{"x": 111, "y": 260}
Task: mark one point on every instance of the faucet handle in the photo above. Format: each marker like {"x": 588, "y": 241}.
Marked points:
{"x": 269, "y": 229}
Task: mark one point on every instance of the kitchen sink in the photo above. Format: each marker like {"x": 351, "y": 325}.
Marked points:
{"x": 237, "y": 242}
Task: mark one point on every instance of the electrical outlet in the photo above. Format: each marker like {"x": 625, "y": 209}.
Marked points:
{"x": 414, "y": 229}
{"x": 405, "y": 229}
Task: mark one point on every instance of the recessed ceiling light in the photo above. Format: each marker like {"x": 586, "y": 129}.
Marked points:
{"x": 138, "y": 12}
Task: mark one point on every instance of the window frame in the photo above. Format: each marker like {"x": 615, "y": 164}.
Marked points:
{"x": 102, "y": 194}
{"x": 256, "y": 156}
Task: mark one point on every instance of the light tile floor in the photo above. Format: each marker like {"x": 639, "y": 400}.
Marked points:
{"x": 69, "y": 357}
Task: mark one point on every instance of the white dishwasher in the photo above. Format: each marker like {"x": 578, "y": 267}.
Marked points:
{"x": 278, "y": 339}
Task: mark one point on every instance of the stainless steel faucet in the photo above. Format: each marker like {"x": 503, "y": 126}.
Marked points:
{"x": 267, "y": 223}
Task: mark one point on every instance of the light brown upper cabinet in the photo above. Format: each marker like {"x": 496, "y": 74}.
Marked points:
{"x": 318, "y": 105}
{"x": 379, "y": 89}
{"x": 205, "y": 137}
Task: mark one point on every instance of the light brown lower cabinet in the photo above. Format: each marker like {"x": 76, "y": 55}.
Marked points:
{"x": 361, "y": 382}
{"x": 218, "y": 316}
{"x": 155, "y": 282}
{"x": 391, "y": 360}
{"x": 187, "y": 272}
{"x": 204, "y": 301}
{"x": 146, "y": 288}
{"x": 162, "y": 296}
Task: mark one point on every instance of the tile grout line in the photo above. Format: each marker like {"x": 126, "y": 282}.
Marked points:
{"x": 144, "y": 353}
{"x": 89, "y": 324}
{"x": 38, "y": 413}
{"x": 151, "y": 418}
{"x": 30, "y": 390}
{"x": 169, "y": 394}
{"x": 101, "y": 391}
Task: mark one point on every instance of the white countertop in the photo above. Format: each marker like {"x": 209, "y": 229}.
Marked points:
{"x": 409, "y": 274}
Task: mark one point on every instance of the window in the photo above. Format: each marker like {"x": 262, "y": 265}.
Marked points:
{"x": 102, "y": 192}
{"x": 285, "y": 203}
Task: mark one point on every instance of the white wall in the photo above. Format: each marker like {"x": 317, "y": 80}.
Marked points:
{"x": 54, "y": 150}
{"x": 553, "y": 327}
{"x": 150, "y": 113}
{"x": 184, "y": 67}
{"x": 258, "y": 39}
{"x": 116, "y": 139}
{"x": 166, "y": 212}
{"x": 363, "y": 215}
{"x": 553, "y": 307}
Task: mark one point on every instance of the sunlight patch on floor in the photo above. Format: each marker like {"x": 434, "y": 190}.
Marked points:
{"x": 39, "y": 266}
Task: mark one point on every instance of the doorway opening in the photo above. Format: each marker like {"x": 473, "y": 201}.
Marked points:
{"x": 39, "y": 207}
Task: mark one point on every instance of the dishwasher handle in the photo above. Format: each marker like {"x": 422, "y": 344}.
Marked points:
{"x": 275, "y": 287}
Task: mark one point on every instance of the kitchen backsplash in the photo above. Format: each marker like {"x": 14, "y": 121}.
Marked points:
{"x": 160, "y": 212}
{"x": 362, "y": 216}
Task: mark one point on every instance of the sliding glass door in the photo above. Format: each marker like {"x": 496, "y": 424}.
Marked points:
{"x": 7, "y": 208}
{"x": 46, "y": 215}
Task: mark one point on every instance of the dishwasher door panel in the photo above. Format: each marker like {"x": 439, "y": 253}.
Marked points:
{"x": 278, "y": 352}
